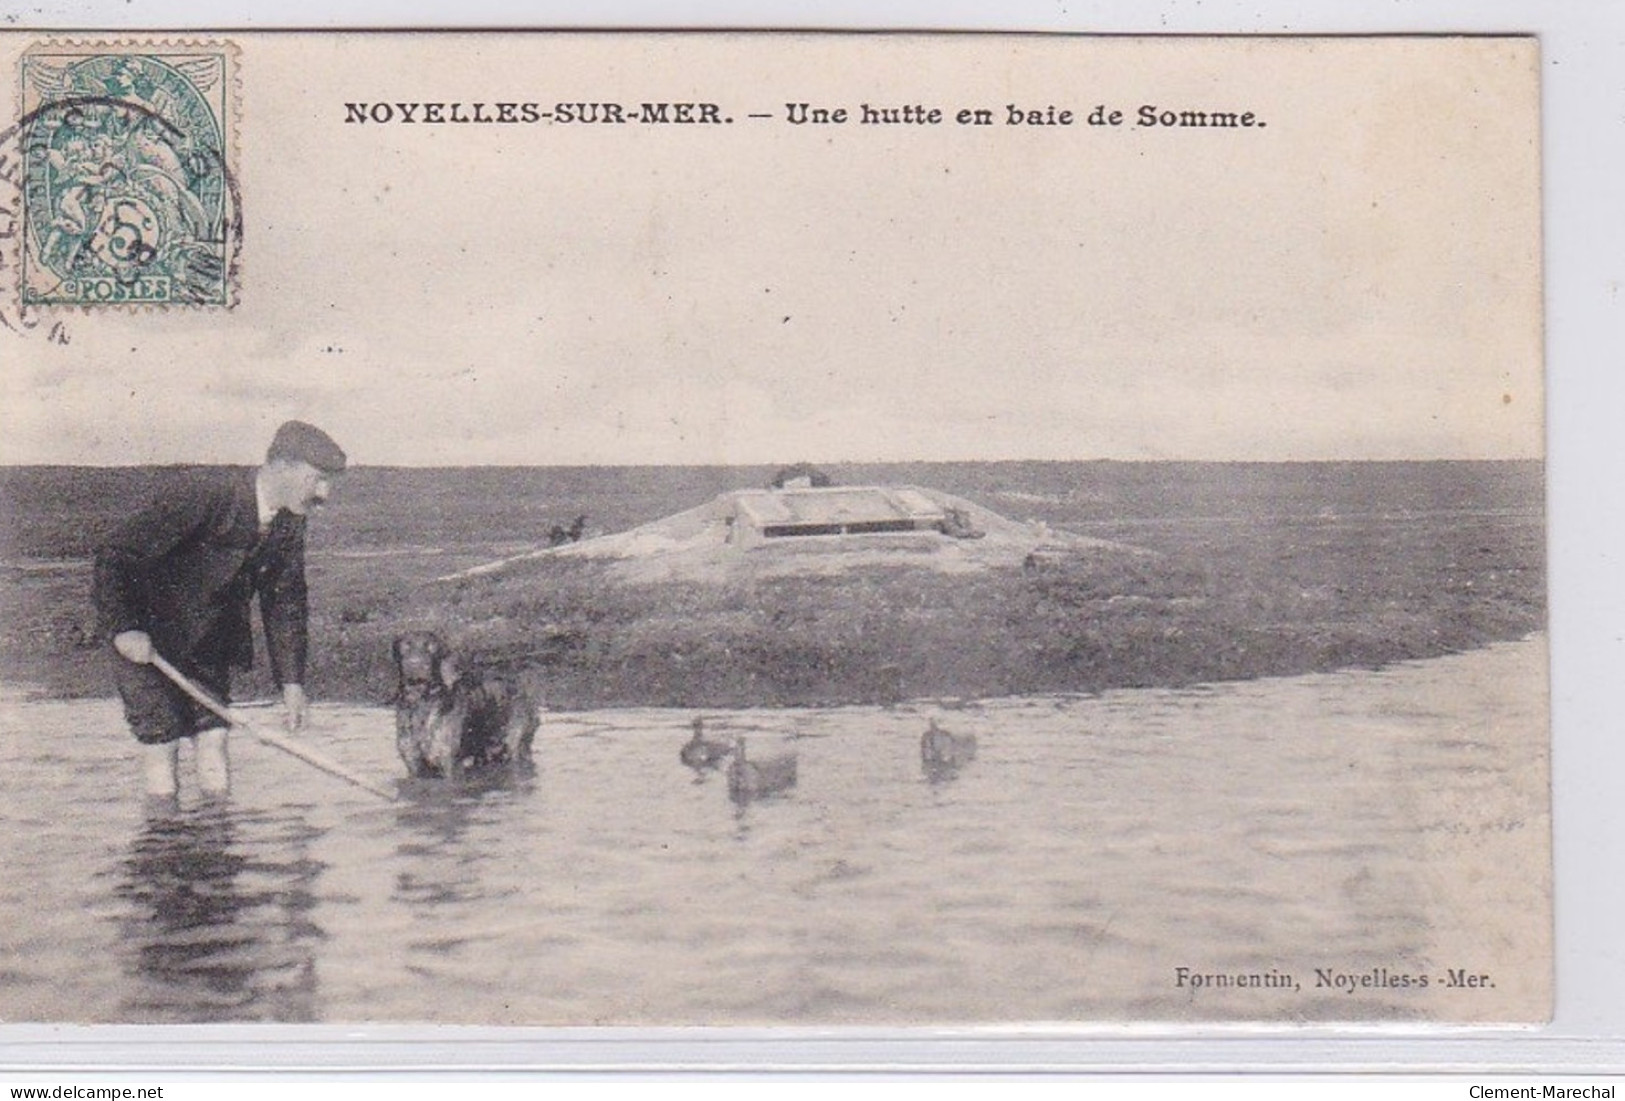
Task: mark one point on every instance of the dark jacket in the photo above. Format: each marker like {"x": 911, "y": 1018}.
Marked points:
{"x": 185, "y": 568}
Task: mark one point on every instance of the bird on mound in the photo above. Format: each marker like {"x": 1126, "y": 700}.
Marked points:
{"x": 700, "y": 752}
{"x": 942, "y": 751}
{"x": 750, "y": 779}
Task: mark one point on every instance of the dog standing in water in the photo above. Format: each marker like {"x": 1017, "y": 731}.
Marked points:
{"x": 447, "y": 721}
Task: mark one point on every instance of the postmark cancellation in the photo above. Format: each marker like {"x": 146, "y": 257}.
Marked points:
{"x": 128, "y": 195}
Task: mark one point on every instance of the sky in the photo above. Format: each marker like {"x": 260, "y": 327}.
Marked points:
{"x": 1358, "y": 278}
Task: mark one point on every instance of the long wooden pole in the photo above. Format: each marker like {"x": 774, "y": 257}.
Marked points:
{"x": 275, "y": 741}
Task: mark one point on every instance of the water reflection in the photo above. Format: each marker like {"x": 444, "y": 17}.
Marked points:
{"x": 756, "y": 777}
{"x": 1390, "y": 819}
{"x": 214, "y": 934}
{"x": 445, "y": 889}
{"x": 440, "y": 863}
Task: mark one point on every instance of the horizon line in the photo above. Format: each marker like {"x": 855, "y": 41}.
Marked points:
{"x": 5, "y": 464}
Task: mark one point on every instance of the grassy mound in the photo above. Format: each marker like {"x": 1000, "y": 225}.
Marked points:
{"x": 1328, "y": 598}
{"x": 1229, "y": 590}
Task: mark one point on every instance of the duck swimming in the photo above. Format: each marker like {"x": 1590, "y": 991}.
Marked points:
{"x": 750, "y": 778}
{"x": 942, "y": 751}
{"x": 700, "y": 752}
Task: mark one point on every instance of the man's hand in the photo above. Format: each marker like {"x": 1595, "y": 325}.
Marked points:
{"x": 134, "y": 646}
{"x": 295, "y": 705}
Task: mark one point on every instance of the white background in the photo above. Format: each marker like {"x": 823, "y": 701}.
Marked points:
{"x": 1583, "y": 47}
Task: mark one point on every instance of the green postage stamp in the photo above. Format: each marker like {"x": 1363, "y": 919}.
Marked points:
{"x": 128, "y": 193}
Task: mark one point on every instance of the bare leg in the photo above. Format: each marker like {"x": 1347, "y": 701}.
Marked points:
{"x": 213, "y": 762}
{"x": 158, "y": 766}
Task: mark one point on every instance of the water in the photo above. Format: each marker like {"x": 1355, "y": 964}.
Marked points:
{"x": 1394, "y": 819}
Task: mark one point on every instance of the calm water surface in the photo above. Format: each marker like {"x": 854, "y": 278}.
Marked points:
{"x": 1363, "y": 819}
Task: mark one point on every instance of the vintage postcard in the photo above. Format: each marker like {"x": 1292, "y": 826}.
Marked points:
{"x": 772, "y": 529}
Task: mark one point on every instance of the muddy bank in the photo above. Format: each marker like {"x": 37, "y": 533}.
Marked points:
{"x": 872, "y": 634}
{"x": 1243, "y": 586}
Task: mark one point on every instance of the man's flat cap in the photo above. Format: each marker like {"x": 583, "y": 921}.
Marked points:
{"x": 306, "y": 443}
